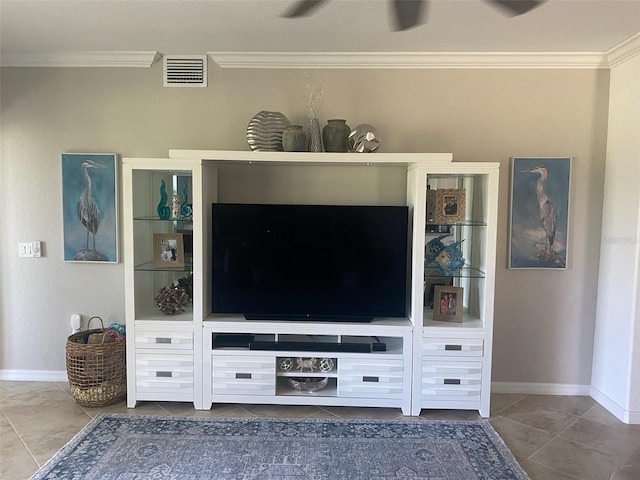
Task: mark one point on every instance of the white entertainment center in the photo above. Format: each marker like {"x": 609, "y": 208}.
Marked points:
{"x": 409, "y": 363}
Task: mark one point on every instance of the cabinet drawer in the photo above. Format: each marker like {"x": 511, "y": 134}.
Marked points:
{"x": 370, "y": 378}
{"x": 243, "y": 375}
{"x": 167, "y": 339}
{"x": 164, "y": 373}
{"x": 453, "y": 347}
{"x": 442, "y": 380}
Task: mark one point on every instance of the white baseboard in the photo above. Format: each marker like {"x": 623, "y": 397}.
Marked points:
{"x": 621, "y": 413}
{"x": 540, "y": 388}
{"x": 33, "y": 376}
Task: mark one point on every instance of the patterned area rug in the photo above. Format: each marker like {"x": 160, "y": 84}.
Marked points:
{"x": 127, "y": 447}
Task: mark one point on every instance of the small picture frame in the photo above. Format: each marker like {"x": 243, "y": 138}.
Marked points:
{"x": 450, "y": 205}
{"x": 168, "y": 250}
{"x": 447, "y": 304}
{"x": 430, "y": 284}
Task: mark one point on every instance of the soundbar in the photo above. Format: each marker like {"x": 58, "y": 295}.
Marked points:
{"x": 314, "y": 346}
{"x": 223, "y": 340}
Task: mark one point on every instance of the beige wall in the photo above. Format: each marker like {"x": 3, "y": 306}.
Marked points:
{"x": 544, "y": 320}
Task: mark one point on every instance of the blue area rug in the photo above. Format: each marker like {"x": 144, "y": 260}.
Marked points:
{"x": 126, "y": 447}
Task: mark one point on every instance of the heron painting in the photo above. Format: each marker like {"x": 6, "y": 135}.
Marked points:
{"x": 539, "y": 212}
{"x": 89, "y": 202}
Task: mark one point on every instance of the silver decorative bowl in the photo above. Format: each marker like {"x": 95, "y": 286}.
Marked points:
{"x": 308, "y": 384}
{"x": 265, "y": 130}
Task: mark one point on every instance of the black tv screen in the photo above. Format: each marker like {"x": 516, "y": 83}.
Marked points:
{"x": 309, "y": 262}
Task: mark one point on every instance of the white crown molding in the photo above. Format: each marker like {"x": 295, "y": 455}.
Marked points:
{"x": 354, "y": 60}
{"x": 81, "y": 59}
{"x": 407, "y": 60}
{"x": 624, "y": 51}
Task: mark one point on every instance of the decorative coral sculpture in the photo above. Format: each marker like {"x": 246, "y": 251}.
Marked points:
{"x": 444, "y": 259}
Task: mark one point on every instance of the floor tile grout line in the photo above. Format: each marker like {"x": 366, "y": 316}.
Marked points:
{"x": 331, "y": 413}
{"x": 522, "y": 397}
{"x": 525, "y": 425}
{"x": 554, "y": 435}
{"x": 249, "y": 412}
{"x": 22, "y": 441}
{"x": 590, "y": 447}
{"x": 553, "y": 468}
{"x": 555, "y": 409}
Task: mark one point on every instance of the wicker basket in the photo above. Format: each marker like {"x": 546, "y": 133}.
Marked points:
{"x": 97, "y": 372}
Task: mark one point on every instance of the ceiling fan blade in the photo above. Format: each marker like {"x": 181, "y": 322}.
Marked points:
{"x": 517, "y": 7}
{"x": 302, "y": 8}
{"x": 407, "y": 13}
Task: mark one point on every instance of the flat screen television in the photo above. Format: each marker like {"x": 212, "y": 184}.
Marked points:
{"x": 309, "y": 262}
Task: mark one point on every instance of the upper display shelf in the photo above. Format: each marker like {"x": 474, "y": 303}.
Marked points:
{"x": 311, "y": 158}
{"x": 465, "y": 223}
{"x": 188, "y": 219}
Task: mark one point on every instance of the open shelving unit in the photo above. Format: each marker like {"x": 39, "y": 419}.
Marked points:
{"x": 426, "y": 363}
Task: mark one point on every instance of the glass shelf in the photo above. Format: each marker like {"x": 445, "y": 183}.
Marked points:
{"x": 448, "y": 176}
{"x": 158, "y": 219}
{"x": 150, "y": 267}
{"x": 466, "y": 223}
{"x": 465, "y": 272}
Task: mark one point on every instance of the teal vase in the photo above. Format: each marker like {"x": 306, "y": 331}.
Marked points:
{"x": 164, "y": 211}
{"x": 335, "y": 136}
{"x": 294, "y": 139}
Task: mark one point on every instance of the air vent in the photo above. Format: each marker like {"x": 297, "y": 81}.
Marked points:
{"x": 185, "y": 71}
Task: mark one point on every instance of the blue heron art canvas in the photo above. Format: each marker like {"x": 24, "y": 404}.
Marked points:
{"x": 89, "y": 207}
{"x": 539, "y": 212}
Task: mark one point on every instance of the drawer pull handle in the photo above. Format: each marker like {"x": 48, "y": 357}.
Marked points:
{"x": 453, "y": 347}
{"x": 164, "y": 374}
{"x": 452, "y": 381}
{"x": 371, "y": 379}
{"x": 163, "y": 340}
{"x": 243, "y": 375}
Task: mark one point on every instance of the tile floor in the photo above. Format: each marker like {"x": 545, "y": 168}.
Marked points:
{"x": 553, "y": 437}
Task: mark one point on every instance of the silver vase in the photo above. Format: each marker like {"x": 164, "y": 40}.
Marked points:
{"x": 315, "y": 140}
{"x": 265, "y": 129}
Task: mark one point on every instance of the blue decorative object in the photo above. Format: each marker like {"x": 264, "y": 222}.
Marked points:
{"x": 264, "y": 449}
{"x": 444, "y": 259}
{"x": 186, "y": 210}
{"x": 118, "y": 327}
{"x": 164, "y": 212}
{"x": 434, "y": 247}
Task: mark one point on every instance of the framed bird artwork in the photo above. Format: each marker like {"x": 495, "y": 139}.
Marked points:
{"x": 539, "y": 212}
{"x": 90, "y": 207}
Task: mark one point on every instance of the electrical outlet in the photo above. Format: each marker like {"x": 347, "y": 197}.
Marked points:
{"x": 75, "y": 322}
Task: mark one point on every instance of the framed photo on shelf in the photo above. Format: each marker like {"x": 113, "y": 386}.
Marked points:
{"x": 447, "y": 303}
{"x": 168, "y": 250}
{"x": 539, "y": 212}
{"x": 450, "y": 205}
{"x": 430, "y": 288}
